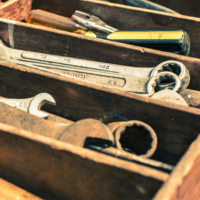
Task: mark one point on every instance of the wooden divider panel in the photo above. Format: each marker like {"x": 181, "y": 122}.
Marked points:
{"x": 68, "y": 172}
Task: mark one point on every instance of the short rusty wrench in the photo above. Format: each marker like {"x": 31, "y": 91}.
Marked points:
{"x": 31, "y": 105}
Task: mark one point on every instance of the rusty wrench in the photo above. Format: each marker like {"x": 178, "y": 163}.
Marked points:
{"x": 31, "y": 105}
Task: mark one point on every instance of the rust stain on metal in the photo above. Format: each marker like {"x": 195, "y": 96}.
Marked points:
{"x": 124, "y": 136}
{"x": 88, "y": 131}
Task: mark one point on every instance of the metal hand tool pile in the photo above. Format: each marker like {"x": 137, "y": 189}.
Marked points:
{"x": 118, "y": 139}
{"x": 164, "y": 81}
{"x": 173, "y": 41}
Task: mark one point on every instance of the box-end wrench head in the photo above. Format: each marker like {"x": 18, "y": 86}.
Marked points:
{"x": 155, "y": 81}
{"x": 177, "y": 68}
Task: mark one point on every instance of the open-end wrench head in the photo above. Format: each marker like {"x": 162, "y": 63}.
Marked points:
{"x": 38, "y": 101}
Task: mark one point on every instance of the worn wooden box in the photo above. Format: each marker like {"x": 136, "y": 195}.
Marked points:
{"x": 64, "y": 171}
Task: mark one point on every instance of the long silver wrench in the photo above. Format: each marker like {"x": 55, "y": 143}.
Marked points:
{"x": 131, "y": 79}
{"x": 31, "y": 105}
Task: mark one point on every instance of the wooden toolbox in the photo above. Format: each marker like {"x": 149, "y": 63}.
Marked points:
{"x": 54, "y": 169}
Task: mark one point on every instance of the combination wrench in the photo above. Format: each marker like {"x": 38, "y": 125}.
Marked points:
{"x": 132, "y": 79}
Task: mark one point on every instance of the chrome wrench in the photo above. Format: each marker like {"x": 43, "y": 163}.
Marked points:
{"x": 81, "y": 65}
{"x": 31, "y": 105}
{"x": 127, "y": 78}
{"x": 145, "y": 86}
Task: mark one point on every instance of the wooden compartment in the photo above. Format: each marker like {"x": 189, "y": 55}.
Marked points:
{"x": 122, "y": 17}
{"x": 117, "y": 15}
{"x": 65, "y": 171}
{"x": 176, "y": 127}
{"x": 33, "y": 161}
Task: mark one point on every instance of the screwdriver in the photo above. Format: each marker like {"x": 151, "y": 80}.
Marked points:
{"x": 47, "y": 19}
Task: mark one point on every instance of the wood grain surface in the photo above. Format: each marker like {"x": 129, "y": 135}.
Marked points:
{"x": 125, "y": 17}
{"x": 15, "y": 9}
{"x": 9, "y": 191}
{"x": 69, "y": 172}
{"x": 33, "y": 38}
{"x": 184, "y": 182}
{"x": 176, "y": 126}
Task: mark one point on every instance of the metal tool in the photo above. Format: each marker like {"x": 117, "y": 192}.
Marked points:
{"x": 173, "y": 41}
{"x": 131, "y": 157}
{"x": 31, "y": 105}
{"x": 133, "y": 79}
{"x": 122, "y": 130}
{"x": 48, "y": 19}
{"x": 88, "y": 131}
{"x": 148, "y": 5}
{"x": 91, "y": 22}
{"x": 96, "y": 136}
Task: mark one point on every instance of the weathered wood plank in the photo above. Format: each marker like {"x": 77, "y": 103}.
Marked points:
{"x": 15, "y": 9}
{"x": 176, "y": 126}
{"x": 127, "y": 17}
{"x": 10, "y": 191}
{"x": 184, "y": 182}
{"x": 33, "y": 38}
{"x": 66, "y": 171}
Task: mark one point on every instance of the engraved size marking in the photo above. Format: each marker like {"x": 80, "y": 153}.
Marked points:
{"x": 44, "y": 57}
{"x": 113, "y": 82}
{"x": 24, "y": 104}
{"x": 78, "y": 75}
{"x": 66, "y": 60}
{"x": 103, "y": 66}
{"x": 95, "y": 78}
{"x": 40, "y": 56}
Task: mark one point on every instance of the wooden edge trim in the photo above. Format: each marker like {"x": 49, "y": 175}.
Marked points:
{"x": 170, "y": 188}
{"x": 8, "y": 3}
{"x": 144, "y": 10}
{"x": 86, "y": 153}
{"x": 11, "y": 191}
